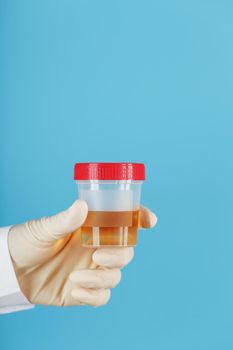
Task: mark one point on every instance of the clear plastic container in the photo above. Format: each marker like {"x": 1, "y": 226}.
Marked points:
{"x": 112, "y": 193}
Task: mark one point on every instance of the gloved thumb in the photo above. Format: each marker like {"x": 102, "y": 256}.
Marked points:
{"x": 52, "y": 228}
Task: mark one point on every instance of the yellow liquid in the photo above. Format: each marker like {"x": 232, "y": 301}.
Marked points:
{"x": 110, "y": 228}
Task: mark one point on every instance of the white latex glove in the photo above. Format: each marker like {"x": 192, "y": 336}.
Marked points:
{"x": 53, "y": 268}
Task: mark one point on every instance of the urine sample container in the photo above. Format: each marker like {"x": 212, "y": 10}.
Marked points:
{"x": 112, "y": 193}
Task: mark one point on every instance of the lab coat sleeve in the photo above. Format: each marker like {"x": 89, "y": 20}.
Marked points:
{"x": 11, "y": 297}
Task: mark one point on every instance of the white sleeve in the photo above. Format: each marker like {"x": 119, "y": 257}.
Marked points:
{"x": 11, "y": 297}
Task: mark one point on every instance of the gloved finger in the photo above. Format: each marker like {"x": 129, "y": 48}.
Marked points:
{"x": 147, "y": 218}
{"x": 113, "y": 257}
{"x": 98, "y": 279}
{"x": 92, "y": 297}
{"x": 52, "y": 228}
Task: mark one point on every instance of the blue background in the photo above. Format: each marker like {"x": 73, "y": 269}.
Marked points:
{"x": 148, "y": 81}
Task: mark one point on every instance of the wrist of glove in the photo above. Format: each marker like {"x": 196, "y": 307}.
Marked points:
{"x": 53, "y": 268}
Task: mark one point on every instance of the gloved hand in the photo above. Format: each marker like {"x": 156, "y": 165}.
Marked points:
{"x": 53, "y": 268}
